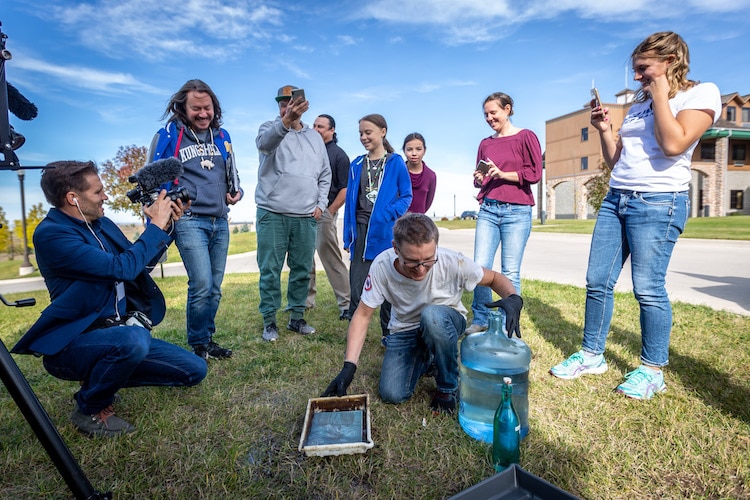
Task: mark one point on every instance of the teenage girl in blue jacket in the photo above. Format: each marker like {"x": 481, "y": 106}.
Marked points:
{"x": 378, "y": 193}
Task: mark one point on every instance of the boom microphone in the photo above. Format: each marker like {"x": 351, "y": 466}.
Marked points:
{"x": 152, "y": 176}
{"x": 155, "y": 174}
{"x": 19, "y": 105}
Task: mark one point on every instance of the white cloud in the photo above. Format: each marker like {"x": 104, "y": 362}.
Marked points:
{"x": 294, "y": 69}
{"x": 479, "y": 21}
{"x": 88, "y": 78}
{"x": 155, "y": 29}
{"x": 346, "y": 40}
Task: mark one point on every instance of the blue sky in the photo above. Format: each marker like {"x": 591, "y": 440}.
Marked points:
{"x": 102, "y": 71}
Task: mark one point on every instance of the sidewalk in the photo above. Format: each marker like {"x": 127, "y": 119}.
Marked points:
{"x": 703, "y": 272}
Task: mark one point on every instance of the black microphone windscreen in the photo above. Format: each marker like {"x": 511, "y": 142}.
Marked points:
{"x": 155, "y": 174}
{"x": 19, "y": 105}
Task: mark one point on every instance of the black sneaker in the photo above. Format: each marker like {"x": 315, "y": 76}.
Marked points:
{"x": 270, "y": 333}
{"x": 300, "y": 326}
{"x": 212, "y": 350}
{"x": 443, "y": 402}
{"x": 345, "y": 315}
{"x": 103, "y": 423}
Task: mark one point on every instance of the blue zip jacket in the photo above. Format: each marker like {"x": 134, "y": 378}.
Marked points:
{"x": 394, "y": 199}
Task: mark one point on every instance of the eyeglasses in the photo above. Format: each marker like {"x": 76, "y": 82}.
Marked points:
{"x": 411, "y": 264}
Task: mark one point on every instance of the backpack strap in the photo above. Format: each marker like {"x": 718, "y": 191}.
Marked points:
{"x": 179, "y": 140}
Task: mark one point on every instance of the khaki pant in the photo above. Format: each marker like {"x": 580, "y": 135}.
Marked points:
{"x": 329, "y": 252}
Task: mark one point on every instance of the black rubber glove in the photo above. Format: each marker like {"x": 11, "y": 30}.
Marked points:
{"x": 512, "y": 307}
{"x": 340, "y": 384}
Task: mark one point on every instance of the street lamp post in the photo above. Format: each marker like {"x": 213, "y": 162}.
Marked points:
{"x": 26, "y": 267}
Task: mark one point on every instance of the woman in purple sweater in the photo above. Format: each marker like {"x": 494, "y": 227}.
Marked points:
{"x": 423, "y": 180}
{"x": 513, "y": 163}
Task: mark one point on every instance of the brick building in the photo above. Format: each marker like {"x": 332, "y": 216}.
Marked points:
{"x": 720, "y": 182}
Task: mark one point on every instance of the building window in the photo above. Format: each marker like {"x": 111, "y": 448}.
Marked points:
{"x": 585, "y": 163}
{"x": 708, "y": 150}
{"x": 731, "y": 113}
{"x": 738, "y": 153}
{"x": 745, "y": 115}
{"x": 735, "y": 200}
{"x": 584, "y": 134}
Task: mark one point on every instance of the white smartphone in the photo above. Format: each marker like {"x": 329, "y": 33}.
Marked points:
{"x": 483, "y": 167}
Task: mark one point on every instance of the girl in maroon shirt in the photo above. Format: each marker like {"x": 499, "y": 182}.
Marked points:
{"x": 423, "y": 180}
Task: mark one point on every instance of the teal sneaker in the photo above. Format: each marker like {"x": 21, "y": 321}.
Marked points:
{"x": 642, "y": 383}
{"x": 578, "y": 364}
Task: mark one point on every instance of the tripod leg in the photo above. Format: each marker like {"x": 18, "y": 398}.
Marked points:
{"x": 44, "y": 429}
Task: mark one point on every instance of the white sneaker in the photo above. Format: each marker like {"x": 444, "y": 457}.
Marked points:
{"x": 475, "y": 328}
{"x": 579, "y": 364}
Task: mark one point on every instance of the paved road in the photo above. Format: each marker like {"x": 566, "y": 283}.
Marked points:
{"x": 707, "y": 272}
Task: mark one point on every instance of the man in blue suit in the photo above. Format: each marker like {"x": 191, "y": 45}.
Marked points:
{"x": 97, "y": 328}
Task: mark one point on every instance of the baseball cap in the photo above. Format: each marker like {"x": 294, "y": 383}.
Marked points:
{"x": 285, "y": 92}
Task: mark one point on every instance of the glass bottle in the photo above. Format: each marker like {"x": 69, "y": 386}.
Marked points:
{"x": 506, "y": 437}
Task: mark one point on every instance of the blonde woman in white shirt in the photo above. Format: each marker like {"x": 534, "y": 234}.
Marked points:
{"x": 646, "y": 208}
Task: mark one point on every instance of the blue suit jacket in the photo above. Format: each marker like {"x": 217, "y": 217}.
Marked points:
{"x": 81, "y": 276}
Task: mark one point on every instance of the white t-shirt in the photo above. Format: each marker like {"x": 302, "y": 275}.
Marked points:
{"x": 642, "y": 165}
{"x": 444, "y": 285}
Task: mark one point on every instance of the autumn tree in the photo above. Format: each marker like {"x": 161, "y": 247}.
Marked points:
{"x": 115, "y": 173}
{"x": 598, "y": 186}
{"x": 33, "y": 218}
{"x": 4, "y": 232}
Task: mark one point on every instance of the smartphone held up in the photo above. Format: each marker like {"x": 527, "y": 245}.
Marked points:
{"x": 595, "y": 97}
{"x": 298, "y": 95}
{"x": 483, "y": 167}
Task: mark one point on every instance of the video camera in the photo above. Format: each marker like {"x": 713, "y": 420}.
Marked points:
{"x": 150, "y": 179}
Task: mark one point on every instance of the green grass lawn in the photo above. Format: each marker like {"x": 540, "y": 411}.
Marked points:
{"x": 236, "y": 434}
{"x": 736, "y": 227}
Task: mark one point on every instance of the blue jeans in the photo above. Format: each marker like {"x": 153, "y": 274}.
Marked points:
{"x": 108, "y": 359}
{"x": 644, "y": 227}
{"x": 203, "y": 243}
{"x": 509, "y": 226}
{"x": 409, "y": 354}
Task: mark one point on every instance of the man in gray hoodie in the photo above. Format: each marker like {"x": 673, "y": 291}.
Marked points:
{"x": 294, "y": 177}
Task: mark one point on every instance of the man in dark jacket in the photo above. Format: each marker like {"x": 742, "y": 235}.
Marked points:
{"x": 96, "y": 329}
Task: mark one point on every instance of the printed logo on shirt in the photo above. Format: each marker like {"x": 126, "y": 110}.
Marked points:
{"x": 368, "y": 283}
{"x": 198, "y": 150}
{"x": 641, "y": 115}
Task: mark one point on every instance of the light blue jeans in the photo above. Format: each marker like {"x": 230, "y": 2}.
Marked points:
{"x": 508, "y": 226}
{"x": 409, "y": 354}
{"x": 644, "y": 227}
{"x": 203, "y": 243}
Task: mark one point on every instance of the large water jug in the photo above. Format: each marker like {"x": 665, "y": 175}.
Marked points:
{"x": 485, "y": 358}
